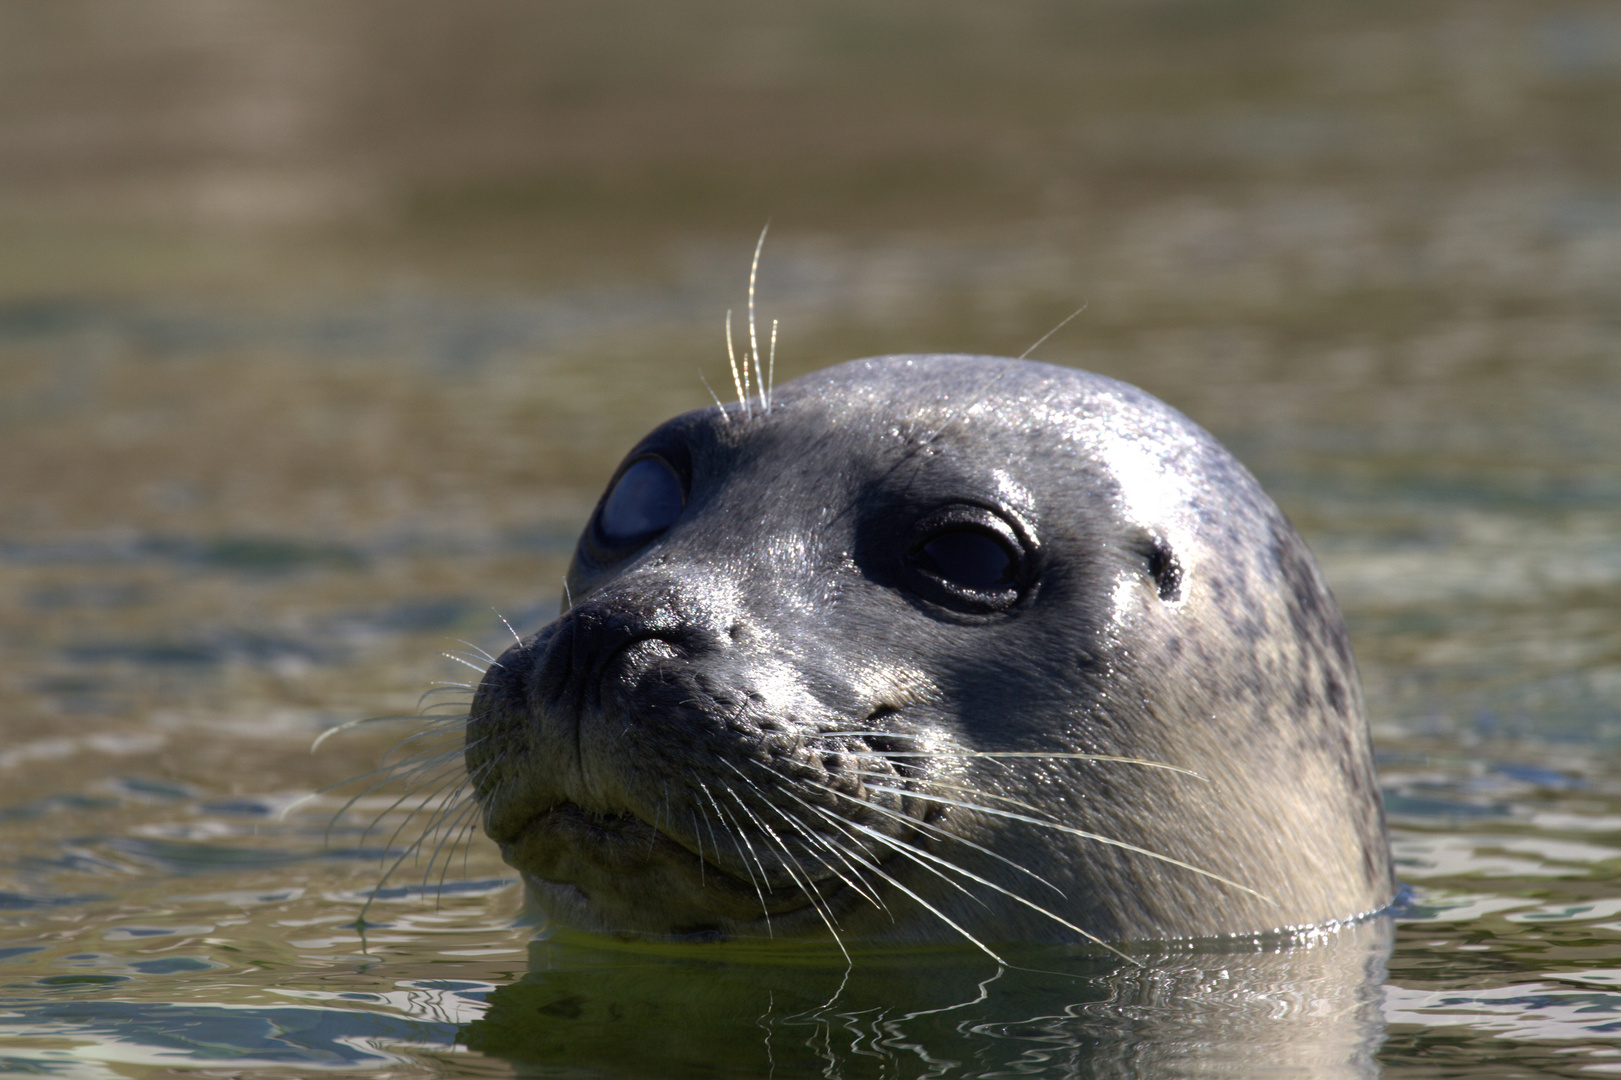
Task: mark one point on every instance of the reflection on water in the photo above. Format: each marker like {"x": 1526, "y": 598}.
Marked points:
{"x": 1306, "y": 1007}
{"x": 321, "y": 326}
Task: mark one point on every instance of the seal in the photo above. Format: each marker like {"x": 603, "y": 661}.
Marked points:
{"x": 929, "y": 648}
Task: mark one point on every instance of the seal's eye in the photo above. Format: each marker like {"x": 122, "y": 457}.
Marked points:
{"x": 645, "y": 501}
{"x": 968, "y": 559}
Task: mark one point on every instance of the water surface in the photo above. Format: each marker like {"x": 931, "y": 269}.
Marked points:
{"x": 315, "y": 351}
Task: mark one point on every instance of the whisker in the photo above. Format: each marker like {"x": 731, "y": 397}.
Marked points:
{"x": 440, "y": 689}
{"x": 478, "y": 650}
{"x": 771, "y": 367}
{"x": 1039, "y": 755}
{"x": 698, "y": 838}
{"x": 844, "y": 824}
{"x": 731, "y": 358}
{"x": 740, "y": 842}
{"x": 510, "y": 630}
{"x": 448, "y": 782}
{"x": 718, "y": 406}
{"x": 453, "y": 828}
{"x": 389, "y": 775}
{"x": 456, "y": 657}
{"x": 789, "y": 865}
{"x": 754, "y": 344}
{"x": 1063, "y": 323}
{"x": 936, "y": 831}
{"x": 453, "y": 698}
{"x": 924, "y": 857}
{"x": 412, "y": 849}
{"x": 920, "y": 853}
{"x": 875, "y": 868}
{"x": 348, "y": 724}
{"x": 1082, "y": 833}
{"x": 933, "y": 783}
{"x": 812, "y": 836}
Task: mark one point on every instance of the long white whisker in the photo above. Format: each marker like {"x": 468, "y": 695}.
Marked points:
{"x": 790, "y": 867}
{"x": 936, "y": 831}
{"x": 407, "y": 853}
{"x": 718, "y": 406}
{"x": 844, "y": 825}
{"x": 460, "y": 660}
{"x": 1053, "y": 331}
{"x": 453, "y": 782}
{"x": 731, "y": 358}
{"x": 754, "y": 344}
{"x": 920, "y": 853}
{"x": 1082, "y": 833}
{"x": 885, "y": 776}
{"x": 875, "y": 868}
{"x": 1038, "y": 755}
{"x": 506, "y": 624}
{"x": 477, "y": 650}
{"x": 740, "y": 841}
{"x": 453, "y": 828}
{"x": 388, "y": 774}
{"x": 924, "y": 857}
{"x": 348, "y": 724}
{"x": 813, "y": 837}
{"x": 771, "y": 368}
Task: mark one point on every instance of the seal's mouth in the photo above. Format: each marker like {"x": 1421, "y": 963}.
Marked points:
{"x": 620, "y": 862}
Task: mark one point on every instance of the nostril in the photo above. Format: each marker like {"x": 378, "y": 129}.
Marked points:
{"x": 607, "y": 636}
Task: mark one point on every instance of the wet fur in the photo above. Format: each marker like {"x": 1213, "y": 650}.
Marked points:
{"x": 751, "y": 727}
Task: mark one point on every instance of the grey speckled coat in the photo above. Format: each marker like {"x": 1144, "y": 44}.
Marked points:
{"x": 809, "y": 694}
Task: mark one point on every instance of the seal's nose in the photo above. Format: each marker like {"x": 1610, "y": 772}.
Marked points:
{"x": 593, "y": 642}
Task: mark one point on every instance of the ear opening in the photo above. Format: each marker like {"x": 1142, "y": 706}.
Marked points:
{"x": 1162, "y": 566}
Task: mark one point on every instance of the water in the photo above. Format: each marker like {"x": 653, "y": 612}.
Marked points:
{"x": 288, "y": 405}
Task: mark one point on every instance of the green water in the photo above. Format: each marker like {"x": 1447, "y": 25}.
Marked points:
{"x": 320, "y": 329}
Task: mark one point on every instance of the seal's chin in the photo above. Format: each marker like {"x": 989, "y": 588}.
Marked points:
{"x": 618, "y": 873}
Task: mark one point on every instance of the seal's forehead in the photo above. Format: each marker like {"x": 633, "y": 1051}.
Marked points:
{"x": 984, "y": 399}
{"x": 993, "y": 391}
{"x": 1077, "y": 424}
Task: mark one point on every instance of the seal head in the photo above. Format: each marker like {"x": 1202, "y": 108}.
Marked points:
{"x": 933, "y": 648}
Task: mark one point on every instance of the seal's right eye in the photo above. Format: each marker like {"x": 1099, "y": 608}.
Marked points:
{"x": 645, "y": 501}
{"x": 968, "y": 559}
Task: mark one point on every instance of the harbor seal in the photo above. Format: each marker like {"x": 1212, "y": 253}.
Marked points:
{"x": 930, "y": 648}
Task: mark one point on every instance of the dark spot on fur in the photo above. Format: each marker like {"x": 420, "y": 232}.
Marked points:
{"x": 1336, "y": 692}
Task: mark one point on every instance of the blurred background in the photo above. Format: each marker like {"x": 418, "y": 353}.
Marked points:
{"x": 321, "y": 326}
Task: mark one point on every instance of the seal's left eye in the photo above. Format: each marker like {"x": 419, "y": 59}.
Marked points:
{"x": 645, "y": 501}
{"x": 969, "y": 559}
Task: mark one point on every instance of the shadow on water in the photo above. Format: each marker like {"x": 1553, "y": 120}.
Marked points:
{"x": 1303, "y": 1006}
